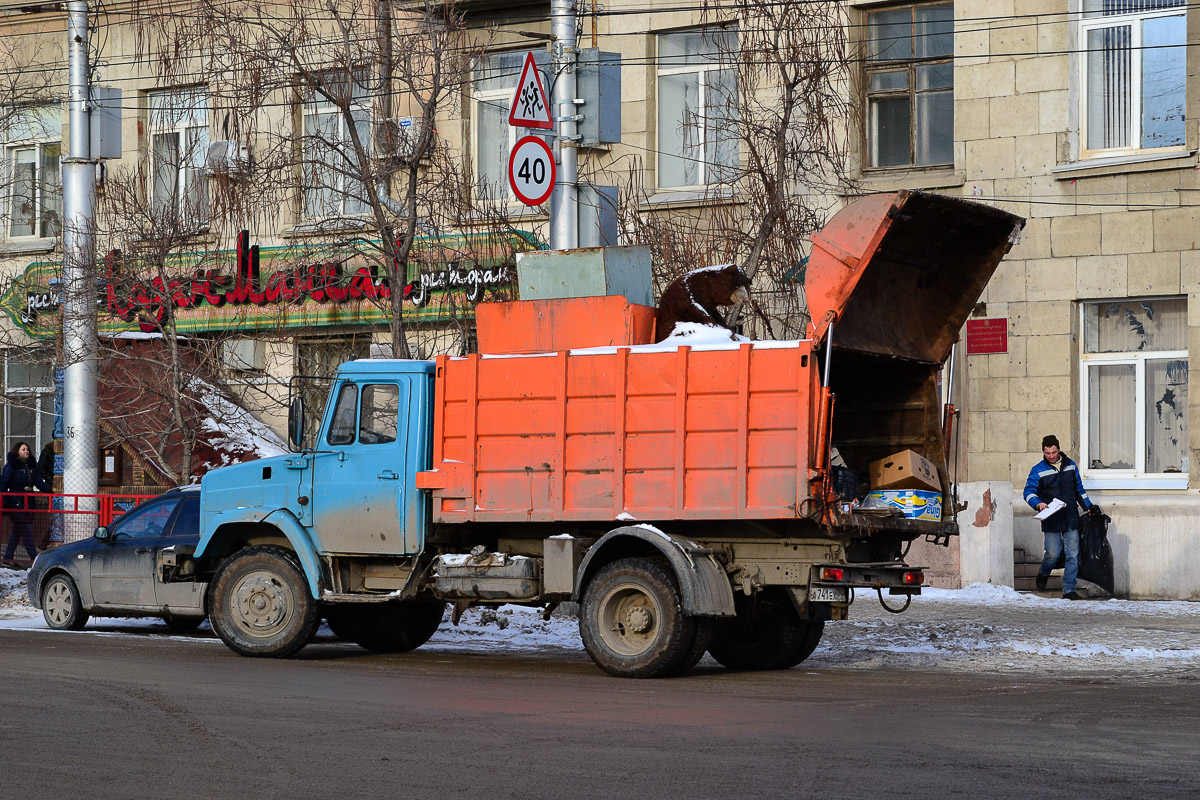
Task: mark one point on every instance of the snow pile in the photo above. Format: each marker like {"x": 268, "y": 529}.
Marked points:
{"x": 507, "y": 628}
{"x": 694, "y": 333}
{"x": 13, "y": 593}
{"x": 237, "y": 431}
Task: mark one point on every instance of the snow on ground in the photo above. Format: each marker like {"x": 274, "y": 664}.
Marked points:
{"x": 981, "y": 628}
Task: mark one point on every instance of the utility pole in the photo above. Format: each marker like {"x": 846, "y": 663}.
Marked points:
{"x": 564, "y": 203}
{"x": 80, "y": 439}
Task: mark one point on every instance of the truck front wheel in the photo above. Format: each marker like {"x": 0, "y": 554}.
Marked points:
{"x": 767, "y": 634}
{"x": 386, "y": 627}
{"x": 632, "y": 622}
{"x": 260, "y": 604}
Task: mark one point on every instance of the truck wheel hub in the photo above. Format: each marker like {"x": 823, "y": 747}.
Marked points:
{"x": 261, "y": 601}
{"x": 640, "y": 619}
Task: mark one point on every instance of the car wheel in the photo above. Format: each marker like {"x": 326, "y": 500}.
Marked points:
{"x": 632, "y": 622}
{"x": 182, "y": 624}
{"x": 387, "y": 627}
{"x": 260, "y": 604}
{"x": 61, "y": 606}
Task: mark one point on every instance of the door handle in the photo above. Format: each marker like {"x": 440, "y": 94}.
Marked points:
{"x": 388, "y": 475}
{"x": 143, "y": 550}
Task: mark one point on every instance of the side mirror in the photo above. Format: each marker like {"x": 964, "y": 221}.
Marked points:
{"x": 102, "y": 534}
{"x": 296, "y": 423}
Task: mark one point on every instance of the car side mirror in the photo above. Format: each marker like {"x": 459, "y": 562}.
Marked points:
{"x": 295, "y": 424}
{"x": 102, "y": 534}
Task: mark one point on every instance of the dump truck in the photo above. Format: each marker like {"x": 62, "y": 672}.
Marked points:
{"x": 683, "y": 497}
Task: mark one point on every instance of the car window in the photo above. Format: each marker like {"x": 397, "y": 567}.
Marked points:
{"x": 146, "y": 522}
{"x": 345, "y": 412}
{"x": 187, "y": 524}
{"x": 377, "y": 421}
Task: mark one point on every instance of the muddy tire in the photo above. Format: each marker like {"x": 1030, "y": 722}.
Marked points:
{"x": 61, "y": 606}
{"x": 387, "y": 627}
{"x": 767, "y": 634}
{"x": 632, "y": 622}
{"x": 260, "y": 604}
{"x": 706, "y": 630}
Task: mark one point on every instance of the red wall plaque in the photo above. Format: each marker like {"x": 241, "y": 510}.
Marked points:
{"x": 987, "y": 336}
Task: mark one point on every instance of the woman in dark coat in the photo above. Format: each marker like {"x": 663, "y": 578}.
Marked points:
{"x": 20, "y": 475}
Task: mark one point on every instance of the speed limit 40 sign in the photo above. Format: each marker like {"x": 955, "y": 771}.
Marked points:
{"x": 531, "y": 170}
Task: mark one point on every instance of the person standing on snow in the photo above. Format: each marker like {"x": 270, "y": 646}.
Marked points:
{"x": 1056, "y": 478}
{"x": 20, "y": 475}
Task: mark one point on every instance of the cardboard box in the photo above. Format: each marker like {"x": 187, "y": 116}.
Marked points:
{"x": 912, "y": 503}
{"x": 904, "y": 470}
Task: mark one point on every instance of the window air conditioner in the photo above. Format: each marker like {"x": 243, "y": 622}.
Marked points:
{"x": 230, "y": 158}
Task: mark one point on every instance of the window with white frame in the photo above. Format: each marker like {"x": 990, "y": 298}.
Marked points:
{"x": 178, "y": 147}
{"x": 33, "y": 145}
{"x": 494, "y": 79}
{"x": 1134, "y": 75}
{"x": 1135, "y": 393}
{"x": 697, "y": 108}
{"x": 910, "y": 86}
{"x": 333, "y": 172}
{"x": 28, "y": 401}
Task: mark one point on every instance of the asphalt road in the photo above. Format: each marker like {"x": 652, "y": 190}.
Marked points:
{"x": 132, "y": 716}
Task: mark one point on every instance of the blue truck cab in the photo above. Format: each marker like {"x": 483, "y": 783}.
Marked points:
{"x": 354, "y": 493}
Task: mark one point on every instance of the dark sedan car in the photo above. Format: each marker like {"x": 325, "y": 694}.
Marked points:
{"x": 114, "y": 573}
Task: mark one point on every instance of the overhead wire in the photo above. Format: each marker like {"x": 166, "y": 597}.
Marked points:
{"x": 653, "y": 61}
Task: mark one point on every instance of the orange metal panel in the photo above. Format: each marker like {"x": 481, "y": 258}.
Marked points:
{"x": 532, "y": 326}
{"x": 684, "y": 434}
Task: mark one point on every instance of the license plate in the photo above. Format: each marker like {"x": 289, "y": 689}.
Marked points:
{"x": 827, "y": 594}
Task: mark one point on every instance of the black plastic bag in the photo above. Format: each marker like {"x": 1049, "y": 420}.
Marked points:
{"x": 1095, "y": 553}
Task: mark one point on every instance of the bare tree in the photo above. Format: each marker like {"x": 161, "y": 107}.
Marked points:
{"x": 776, "y": 132}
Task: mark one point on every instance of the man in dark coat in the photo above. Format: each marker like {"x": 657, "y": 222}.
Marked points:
{"x": 1055, "y": 477}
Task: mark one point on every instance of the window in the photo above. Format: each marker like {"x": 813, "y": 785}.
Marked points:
{"x": 1135, "y": 393}
{"x": 910, "y": 86}
{"x": 380, "y": 409}
{"x": 697, "y": 108}
{"x": 28, "y": 401}
{"x": 34, "y": 177}
{"x": 145, "y": 523}
{"x": 345, "y": 413}
{"x": 493, "y": 81}
{"x": 178, "y": 147}
{"x": 1134, "y": 74}
{"x": 333, "y": 185}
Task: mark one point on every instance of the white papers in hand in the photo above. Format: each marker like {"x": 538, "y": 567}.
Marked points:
{"x": 1055, "y": 506}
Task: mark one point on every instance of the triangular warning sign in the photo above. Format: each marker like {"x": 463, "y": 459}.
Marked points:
{"x": 530, "y": 108}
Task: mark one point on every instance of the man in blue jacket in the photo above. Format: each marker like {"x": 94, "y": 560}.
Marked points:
{"x": 1056, "y": 478}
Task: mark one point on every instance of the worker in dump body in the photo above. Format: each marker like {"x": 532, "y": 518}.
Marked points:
{"x": 1055, "y": 477}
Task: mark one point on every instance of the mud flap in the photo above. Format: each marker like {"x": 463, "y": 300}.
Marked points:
{"x": 704, "y": 587}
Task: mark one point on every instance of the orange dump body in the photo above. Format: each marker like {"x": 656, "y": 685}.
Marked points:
{"x": 657, "y": 433}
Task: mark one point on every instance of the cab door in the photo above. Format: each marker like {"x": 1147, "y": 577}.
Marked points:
{"x": 122, "y": 570}
{"x": 359, "y": 481}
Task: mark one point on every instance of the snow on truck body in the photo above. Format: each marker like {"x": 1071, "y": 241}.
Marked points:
{"x": 680, "y": 493}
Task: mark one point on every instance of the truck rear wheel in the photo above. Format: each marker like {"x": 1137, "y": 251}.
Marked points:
{"x": 767, "y": 634}
{"x": 260, "y": 604}
{"x": 632, "y": 621}
{"x": 387, "y": 627}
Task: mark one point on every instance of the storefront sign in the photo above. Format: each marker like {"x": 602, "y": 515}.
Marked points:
{"x": 338, "y": 289}
{"x": 987, "y": 336}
